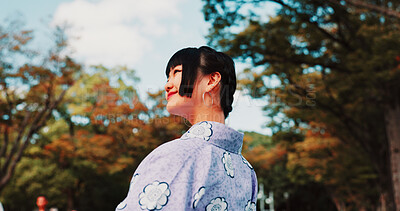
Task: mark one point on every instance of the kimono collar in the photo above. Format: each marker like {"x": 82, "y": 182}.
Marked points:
{"x": 217, "y": 134}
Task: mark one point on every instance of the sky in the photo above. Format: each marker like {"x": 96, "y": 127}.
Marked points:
{"x": 140, "y": 34}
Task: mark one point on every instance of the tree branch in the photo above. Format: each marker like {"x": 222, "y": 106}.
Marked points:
{"x": 37, "y": 124}
{"x": 5, "y": 142}
{"x": 16, "y": 145}
{"x": 305, "y": 18}
{"x": 382, "y": 10}
{"x": 282, "y": 59}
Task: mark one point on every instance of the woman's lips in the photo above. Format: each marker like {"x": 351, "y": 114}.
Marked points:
{"x": 170, "y": 94}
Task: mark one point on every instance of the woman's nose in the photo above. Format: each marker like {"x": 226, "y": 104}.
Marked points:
{"x": 168, "y": 86}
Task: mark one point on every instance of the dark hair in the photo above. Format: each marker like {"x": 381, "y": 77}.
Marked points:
{"x": 207, "y": 60}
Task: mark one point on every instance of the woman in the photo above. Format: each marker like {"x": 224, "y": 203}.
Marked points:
{"x": 203, "y": 169}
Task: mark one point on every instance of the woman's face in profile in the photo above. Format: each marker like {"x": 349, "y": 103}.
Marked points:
{"x": 178, "y": 105}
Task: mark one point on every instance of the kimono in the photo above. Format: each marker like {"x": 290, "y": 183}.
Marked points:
{"x": 202, "y": 170}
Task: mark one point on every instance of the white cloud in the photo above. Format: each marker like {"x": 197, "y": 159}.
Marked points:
{"x": 113, "y": 32}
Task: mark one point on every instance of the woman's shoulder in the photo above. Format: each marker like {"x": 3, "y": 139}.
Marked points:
{"x": 180, "y": 145}
{"x": 177, "y": 150}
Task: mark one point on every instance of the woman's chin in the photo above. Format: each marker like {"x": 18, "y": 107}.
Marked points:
{"x": 176, "y": 110}
{"x": 172, "y": 109}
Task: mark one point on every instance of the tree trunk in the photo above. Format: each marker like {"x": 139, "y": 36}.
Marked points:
{"x": 340, "y": 205}
{"x": 70, "y": 200}
{"x": 382, "y": 202}
{"x": 392, "y": 118}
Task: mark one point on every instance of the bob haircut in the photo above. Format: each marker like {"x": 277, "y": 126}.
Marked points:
{"x": 206, "y": 60}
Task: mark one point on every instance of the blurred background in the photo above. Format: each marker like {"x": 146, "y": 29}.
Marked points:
{"x": 82, "y": 97}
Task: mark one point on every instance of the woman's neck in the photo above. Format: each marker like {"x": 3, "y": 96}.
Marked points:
{"x": 207, "y": 114}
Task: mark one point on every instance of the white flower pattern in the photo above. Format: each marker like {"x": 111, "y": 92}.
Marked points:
{"x": 198, "y": 196}
{"x": 154, "y": 196}
{"x": 217, "y": 204}
{"x": 251, "y": 206}
{"x": 246, "y": 162}
{"x": 122, "y": 205}
{"x": 228, "y": 164}
{"x": 133, "y": 180}
{"x": 202, "y": 130}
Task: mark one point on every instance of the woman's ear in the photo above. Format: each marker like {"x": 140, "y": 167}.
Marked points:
{"x": 213, "y": 81}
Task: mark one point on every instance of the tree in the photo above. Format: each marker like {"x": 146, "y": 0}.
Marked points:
{"x": 348, "y": 177}
{"x": 35, "y": 176}
{"x": 30, "y": 91}
{"x": 338, "y": 65}
{"x": 281, "y": 171}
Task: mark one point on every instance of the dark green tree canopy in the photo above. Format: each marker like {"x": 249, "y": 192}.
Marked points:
{"x": 338, "y": 64}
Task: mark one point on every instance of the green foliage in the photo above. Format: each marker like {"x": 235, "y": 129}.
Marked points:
{"x": 37, "y": 177}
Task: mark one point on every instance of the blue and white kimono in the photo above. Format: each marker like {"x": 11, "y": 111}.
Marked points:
{"x": 202, "y": 170}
